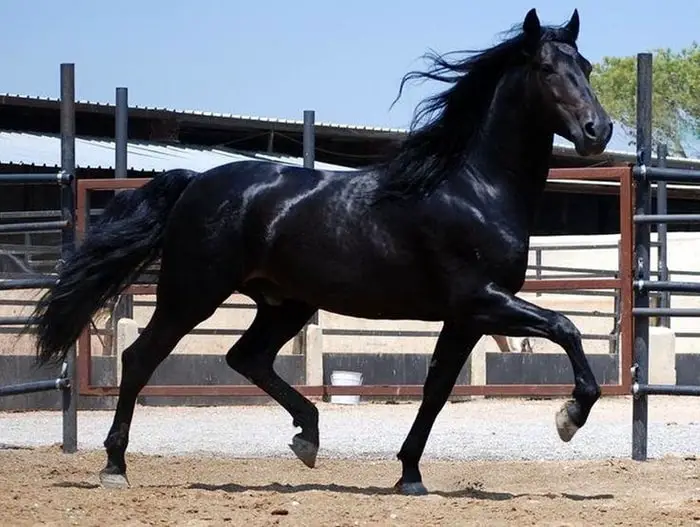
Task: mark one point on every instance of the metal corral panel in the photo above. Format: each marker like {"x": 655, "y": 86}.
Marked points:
{"x": 45, "y": 150}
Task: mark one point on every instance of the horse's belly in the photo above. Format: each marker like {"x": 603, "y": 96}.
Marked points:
{"x": 360, "y": 286}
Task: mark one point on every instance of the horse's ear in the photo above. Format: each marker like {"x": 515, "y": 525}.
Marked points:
{"x": 531, "y": 29}
{"x": 531, "y": 24}
{"x": 573, "y": 25}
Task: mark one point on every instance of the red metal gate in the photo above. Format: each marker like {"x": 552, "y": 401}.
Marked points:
{"x": 622, "y": 284}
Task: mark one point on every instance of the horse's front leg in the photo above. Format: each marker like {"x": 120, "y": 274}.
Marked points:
{"x": 451, "y": 351}
{"x": 499, "y": 311}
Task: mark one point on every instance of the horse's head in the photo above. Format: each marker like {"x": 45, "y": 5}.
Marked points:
{"x": 561, "y": 75}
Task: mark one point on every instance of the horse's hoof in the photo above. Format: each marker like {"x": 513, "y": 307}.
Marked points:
{"x": 304, "y": 450}
{"x": 411, "y": 489}
{"x": 565, "y": 426}
{"x": 113, "y": 481}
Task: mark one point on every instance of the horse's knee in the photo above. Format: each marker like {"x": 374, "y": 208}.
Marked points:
{"x": 565, "y": 331}
{"x": 131, "y": 362}
{"x": 241, "y": 359}
{"x": 237, "y": 360}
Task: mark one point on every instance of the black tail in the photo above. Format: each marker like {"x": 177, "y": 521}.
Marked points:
{"x": 121, "y": 244}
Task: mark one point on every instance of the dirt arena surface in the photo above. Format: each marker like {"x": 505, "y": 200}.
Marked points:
{"x": 42, "y": 486}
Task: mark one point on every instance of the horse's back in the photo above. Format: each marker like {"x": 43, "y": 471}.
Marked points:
{"x": 254, "y": 206}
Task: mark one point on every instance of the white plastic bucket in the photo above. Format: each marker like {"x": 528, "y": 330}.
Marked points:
{"x": 345, "y": 378}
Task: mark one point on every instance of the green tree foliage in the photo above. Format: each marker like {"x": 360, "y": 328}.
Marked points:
{"x": 676, "y": 94}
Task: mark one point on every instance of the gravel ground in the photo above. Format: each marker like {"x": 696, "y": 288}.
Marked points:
{"x": 486, "y": 429}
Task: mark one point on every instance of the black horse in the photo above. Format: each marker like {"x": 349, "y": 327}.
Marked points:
{"x": 439, "y": 231}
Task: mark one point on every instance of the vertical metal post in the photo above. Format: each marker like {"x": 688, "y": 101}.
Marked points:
{"x": 309, "y": 138}
{"x": 309, "y": 152}
{"x": 642, "y": 244}
{"x": 626, "y": 267}
{"x": 121, "y": 123}
{"x": 69, "y": 396}
{"x": 614, "y": 347}
{"x": 125, "y": 304}
{"x": 538, "y": 267}
{"x": 662, "y": 231}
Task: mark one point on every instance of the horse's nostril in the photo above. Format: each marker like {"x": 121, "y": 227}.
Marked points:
{"x": 589, "y": 128}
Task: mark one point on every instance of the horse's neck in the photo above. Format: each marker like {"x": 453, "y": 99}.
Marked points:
{"x": 515, "y": 144}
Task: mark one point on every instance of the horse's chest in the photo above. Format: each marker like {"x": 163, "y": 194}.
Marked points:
{"x": 503, "y": 256}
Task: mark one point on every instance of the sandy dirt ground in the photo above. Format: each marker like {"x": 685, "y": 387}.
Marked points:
{"x": 42, "y": 486}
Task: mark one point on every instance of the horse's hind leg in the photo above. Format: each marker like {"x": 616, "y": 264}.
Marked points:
{"x": 186, "y": 296}
{"x": 253, "y": 356}
{"x": 139, "y": 361}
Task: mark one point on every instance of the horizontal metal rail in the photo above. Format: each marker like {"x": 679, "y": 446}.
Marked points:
{"x": 666, "y": 312}
{"x": 17, "y": 248}
{"x": 674, "y": 294}
{"x": 232, "y": 305}
{"x": 675, "y": 175}
{"x": 30, "y": 214}
{"x": 687, "y": 334}
{"x": 658, "y": 285}
{"x": 12, "y": 302}
{"x": 38, "y": 214}
{"x": 14, "y": 330}
{"x": 34, "y": 226}
{"x": 582, "y": 292}
{"x": 666, "y": 218}
{"x": 15, "y": 321}
{"x": 60, "y": 383}
{"x": 60, "y": 178}
{"x": 342, "y": 332}
{"x": 664, "y": 389}
{"x": 18, "y": 276}
{"x": 27, "y": 283}
{"x": 563, "y": 276}
{"x": 605, "y": 272}
{"x": 684, "y": 273}
{"x": 584, "y": 246}
{"x": 35, "y": 386}
{"x": 576, "y": 313}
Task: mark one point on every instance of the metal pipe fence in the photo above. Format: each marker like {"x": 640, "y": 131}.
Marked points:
{"x": 65, "y": 179}
{"x": 643, "y": 218}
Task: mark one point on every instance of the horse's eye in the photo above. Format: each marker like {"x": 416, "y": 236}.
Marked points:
{"x": 547, "y": 69}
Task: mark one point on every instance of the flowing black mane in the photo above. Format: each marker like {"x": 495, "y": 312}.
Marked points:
{"x": 454, "y": 116}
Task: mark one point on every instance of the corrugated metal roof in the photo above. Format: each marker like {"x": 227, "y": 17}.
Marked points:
{"x": 45, "y": 150}
{"x": 619, "y": 146}
{"x": 223, "y": 115}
